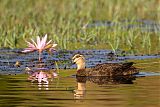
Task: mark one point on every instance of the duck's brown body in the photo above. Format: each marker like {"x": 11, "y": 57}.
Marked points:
{"x": 109, "y": 69}
{"x": 106, "y": 69}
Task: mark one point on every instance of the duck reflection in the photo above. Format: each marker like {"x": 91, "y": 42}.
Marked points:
{"x": 100, "y": 80}
{"x": 80, "y": 92}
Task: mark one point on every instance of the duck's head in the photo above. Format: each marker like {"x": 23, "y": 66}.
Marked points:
{"x": 79, "y": 60}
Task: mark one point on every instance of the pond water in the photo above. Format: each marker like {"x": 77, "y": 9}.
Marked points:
{"x": 16, "y": 89}
{"x": 143, "y": 25}
{"x": 60, "y": 92}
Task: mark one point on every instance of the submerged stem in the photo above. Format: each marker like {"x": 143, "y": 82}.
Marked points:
{"x": 40, "y": 57}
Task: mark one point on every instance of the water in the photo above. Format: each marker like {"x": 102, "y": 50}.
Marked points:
{"x": 142, "y": 90}
{"x": 8, "y": 59}
{"x": 144, "y": 25}
{"x": 60, "y": 92}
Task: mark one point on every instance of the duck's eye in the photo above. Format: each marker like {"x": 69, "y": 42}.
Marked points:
{"x": 77, "y": 56}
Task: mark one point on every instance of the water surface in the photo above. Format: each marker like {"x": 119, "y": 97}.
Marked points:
{"x": 142, "y": 90}
{"x": 16, "y": 90}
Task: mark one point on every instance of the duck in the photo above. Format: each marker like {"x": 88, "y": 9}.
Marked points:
{"x": 104, "y": 69}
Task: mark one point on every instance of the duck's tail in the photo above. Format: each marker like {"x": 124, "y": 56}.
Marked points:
{"x": 129, "y": 69}
{"x": 127, "y": 65}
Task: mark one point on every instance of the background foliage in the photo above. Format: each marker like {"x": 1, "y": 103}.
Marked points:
{"x": 65, "y": 22}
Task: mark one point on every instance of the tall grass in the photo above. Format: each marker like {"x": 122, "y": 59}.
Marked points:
{"x": 63, "y": 21}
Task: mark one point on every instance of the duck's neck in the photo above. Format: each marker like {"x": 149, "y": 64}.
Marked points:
{"x": 81, "y": 66}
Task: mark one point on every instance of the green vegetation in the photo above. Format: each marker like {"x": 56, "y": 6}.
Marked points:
{"x": 64, "y": 20}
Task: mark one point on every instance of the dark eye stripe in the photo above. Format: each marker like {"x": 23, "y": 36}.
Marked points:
{"x": 77, "y": 56}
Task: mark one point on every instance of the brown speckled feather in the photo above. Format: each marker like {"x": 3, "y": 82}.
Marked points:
{"x": 109, "y": 69}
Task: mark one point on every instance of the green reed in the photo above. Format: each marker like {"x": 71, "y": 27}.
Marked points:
{"x": 64, "y": 21}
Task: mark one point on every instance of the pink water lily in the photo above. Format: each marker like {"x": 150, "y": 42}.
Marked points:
{"x": 41, "y": 45}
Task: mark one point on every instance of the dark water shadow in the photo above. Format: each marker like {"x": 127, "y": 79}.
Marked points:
{"x": 80, "y": 92}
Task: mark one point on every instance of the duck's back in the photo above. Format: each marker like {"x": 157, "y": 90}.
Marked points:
{"x": 112, "y": 69}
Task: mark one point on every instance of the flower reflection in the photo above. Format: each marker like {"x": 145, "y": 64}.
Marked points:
{"x": 39, "y": 76}
{"x": 40, "y": 86}
{"x": 42, "y": 77}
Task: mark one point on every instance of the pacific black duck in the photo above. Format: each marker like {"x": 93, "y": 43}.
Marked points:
{"x": 105, "y": 69}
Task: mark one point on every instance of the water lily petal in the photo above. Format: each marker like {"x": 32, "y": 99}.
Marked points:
{"x": 34, "y": 43}
{"x": 44, "y": 39}
{"x": 49, "y": 42}
{"x": 54, "y": 45}
{"x": 38, "y": 42}
{"x": 28, "y": 50}
{"x": 48, "y": 46}
{"x": 30, "y": 44}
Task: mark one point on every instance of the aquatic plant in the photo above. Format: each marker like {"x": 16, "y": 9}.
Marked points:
{"x": 65, "y": 19}
{"x": 39, "y": 46}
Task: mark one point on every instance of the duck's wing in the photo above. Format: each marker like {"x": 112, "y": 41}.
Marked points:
{"x": 107, "y": 66}
{"x": 114, "y": 66}
{"x": 110, "y": 69}
{"x": 105, "y": 69}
